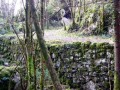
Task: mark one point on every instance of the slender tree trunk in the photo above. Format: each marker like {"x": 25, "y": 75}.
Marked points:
{"x": 29, "y": 47}
{"x": 35, "y": 78}
{"x": 27, "y": 37}
{"x": 42, "y": 74}
{"x": 84, "y": 5}
{"x": 42, "y": 14}
{"x": 117, "y": 45}
{"x": 27, "y": 15}
{"x": 42, "y": 28}
{"x": 80, "y": 4}
{"x": 44, "y": 49}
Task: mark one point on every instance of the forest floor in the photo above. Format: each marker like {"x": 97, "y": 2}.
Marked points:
{"x": 60, "y": 36}
{"x": 56, "y": 36}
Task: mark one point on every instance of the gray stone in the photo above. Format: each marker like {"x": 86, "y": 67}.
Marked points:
{"x": 90, "y": 85}
{"x": 3, "y": 31}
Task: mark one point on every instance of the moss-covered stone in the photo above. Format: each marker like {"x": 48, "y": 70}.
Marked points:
{"x": 6, "y": 71}
{"x": 83, "y": 56}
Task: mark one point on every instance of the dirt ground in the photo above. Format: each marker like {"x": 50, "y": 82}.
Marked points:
{"x": 61, "y": 36}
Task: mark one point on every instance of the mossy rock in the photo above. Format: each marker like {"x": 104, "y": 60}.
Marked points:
{"x": 106, "y": 85}
{"x": 5, "y": 77}
{"x": 6, "y": 71}
{"x": 100, "y": 45}
{"x": 87, "y": 44}
{"x": 52, "y": 48}
{"x": 77, "y": 44}
{"x": 93, "y": 46}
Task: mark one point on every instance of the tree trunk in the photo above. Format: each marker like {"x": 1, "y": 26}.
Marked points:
{"x": 42, "y": 28}
{"x": 44, "y": 49}
{"x": 117, "y": 45}
{"x": 27, "y": 41}
{"x": 42, "y": 14}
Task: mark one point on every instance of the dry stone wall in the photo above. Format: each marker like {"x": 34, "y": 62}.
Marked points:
{"x": 81, "y": 63}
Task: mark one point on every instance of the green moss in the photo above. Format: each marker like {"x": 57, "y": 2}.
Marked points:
{"x": 4, "y": 74}
{"x": 73, "y": 27}
{"x": 110, "y": 73}
{"x": 106, "y": 84}
{"x": 87, "y": 44}
{"x": 77, "y": 44}
{"x": 6, "y": 71}
{"x": 52, "y": 48}
{"x": 107, "y": 45}
{"x": 116, "y": 81}
{"x": 92, "y": 46}
{"x": 99, "y": 45}
{"x": 79, "y": 50}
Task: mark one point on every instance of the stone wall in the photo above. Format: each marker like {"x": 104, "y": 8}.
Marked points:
{"x": 81, "y": 65}
{"x": 78, "y": 64}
